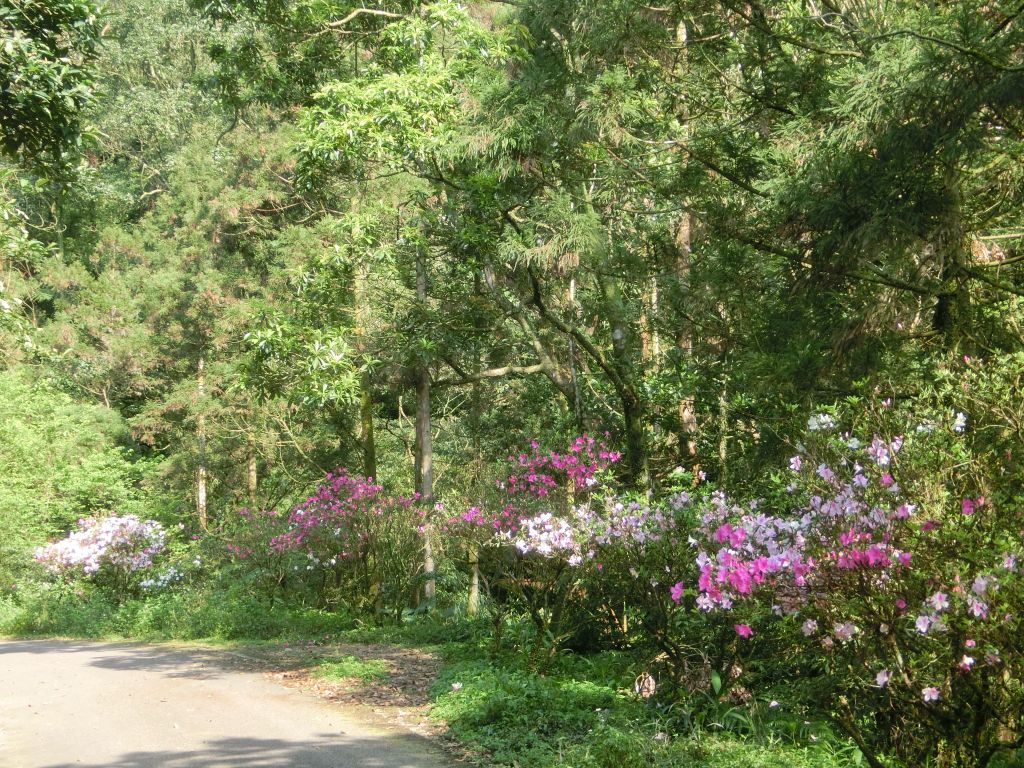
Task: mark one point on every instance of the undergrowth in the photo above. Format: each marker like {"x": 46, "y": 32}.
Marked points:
{"x": 582, "y": 713}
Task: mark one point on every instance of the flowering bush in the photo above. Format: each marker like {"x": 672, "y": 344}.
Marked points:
{"x": 363, "y": 543}
{"x": 112, "y": 548}
{"x": 525, "y": 538}
{"x": 893, "y": 577}
{"x": 535, "y": 483}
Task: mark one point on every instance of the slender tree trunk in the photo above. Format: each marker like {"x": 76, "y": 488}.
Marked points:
{"x": 57, "y": 205}
{"x": 577, "y": 401}
{"x": 251, "y": 476}
{"x": 684, "y": 342}
{"x": 683, "y": 237}
{"x": 473, "y": 598}
{"x": 424, "y": 440}
{"x": 201, "y": 440}
{"x": 366, "y": 433}
{"x": 951, "y": 251}
{"x": 633, "y": 415}
{"x": 723, "y": 432}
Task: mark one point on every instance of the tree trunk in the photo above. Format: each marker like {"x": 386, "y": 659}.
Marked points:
{"x": 366, "y": 433}
{"x": 632, "y": 408}
{"x": 201, "y": 440}
{"x": 424, "y": 441}
{"x": 473, "y": 599}
{"x": 683, "y": 238}
{"x": 251, "y": 477}
{"x": 684, "y": 342}
{"x": 949, "y": 243}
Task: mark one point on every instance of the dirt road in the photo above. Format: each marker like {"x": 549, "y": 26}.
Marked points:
{"x": 123, "y": 705}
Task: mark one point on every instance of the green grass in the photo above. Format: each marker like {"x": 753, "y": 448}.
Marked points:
{"x": 351, "y": 667}
{"x": 512, "y": 717}
{"x": 189, "y": 614}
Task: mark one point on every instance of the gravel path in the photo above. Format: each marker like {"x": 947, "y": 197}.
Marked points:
{"x": 126, "y": 705}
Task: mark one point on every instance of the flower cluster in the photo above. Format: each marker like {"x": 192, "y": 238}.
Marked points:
{"x": 851, "y": 522}
{"x": 332, "y": 523}
{"x": 125, "y": 542}
{"x": 161, "y": 580}
{"x": 599, "y": 532}
{"x": 865, "y": 567}
{"x": 541, "y": 472}
{"x": 540, "y": 482}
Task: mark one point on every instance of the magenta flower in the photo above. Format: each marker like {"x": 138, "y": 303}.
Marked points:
{"x": 743, "y": 630}
{"x": 677, "y": 591}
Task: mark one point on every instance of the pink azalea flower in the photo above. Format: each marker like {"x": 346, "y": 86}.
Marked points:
{"x": 677, "y": 591}
{"x": 743, "y": 630}
{"x": 931, "y": 693}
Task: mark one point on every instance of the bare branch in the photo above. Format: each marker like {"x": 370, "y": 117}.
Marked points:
{"x": 360, "y": 11}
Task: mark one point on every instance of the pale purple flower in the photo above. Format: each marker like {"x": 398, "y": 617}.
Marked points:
{"x": 923, "y": 623}
{"x": 929, "y": 694}
{"x": 809, "y": 627}
{"x": 980, "y": 585}
{"x": 978, "y": 608}
{"x": 939, "y": 601}
{"x": 844, "y": 631}
{"x": 882, "y": 678}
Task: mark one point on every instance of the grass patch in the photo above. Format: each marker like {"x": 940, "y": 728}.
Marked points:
{"x": 350, "y": 667}
{"x": 581, "y": 716}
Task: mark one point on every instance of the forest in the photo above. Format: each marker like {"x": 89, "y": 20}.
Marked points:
{"x": 657, "y": 364}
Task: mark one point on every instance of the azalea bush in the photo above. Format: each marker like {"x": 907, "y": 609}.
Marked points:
{"x": 530, "y": 540}
{"x": 111, "y": 551}
{"x": 361, "y": 545}
{"x": 891, "y": 564}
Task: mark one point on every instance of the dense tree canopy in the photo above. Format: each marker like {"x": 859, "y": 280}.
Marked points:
{"x": 257, "y": 240}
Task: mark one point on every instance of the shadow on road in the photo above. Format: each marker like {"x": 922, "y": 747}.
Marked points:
{"x": 326, "y": 752}
{"x": 195, "y": 663}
